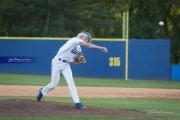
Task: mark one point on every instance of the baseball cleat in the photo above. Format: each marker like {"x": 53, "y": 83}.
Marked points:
{"x": 39, "y": 95}
{"x": 80, "y": 106}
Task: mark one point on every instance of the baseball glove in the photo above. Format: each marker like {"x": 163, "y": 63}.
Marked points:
{"x": 79, "y": 59}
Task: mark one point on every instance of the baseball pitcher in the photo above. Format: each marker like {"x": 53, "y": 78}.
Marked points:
{"x": 70, "y": 52}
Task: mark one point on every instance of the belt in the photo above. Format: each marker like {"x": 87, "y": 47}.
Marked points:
{"x": 62, "y": 60}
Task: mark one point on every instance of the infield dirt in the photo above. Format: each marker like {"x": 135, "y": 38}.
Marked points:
{"x": 93, "y": 92}
{"x": 26, "y": 107}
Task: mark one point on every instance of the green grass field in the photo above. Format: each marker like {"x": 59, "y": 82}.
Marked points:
{"x": 153, "y": 109}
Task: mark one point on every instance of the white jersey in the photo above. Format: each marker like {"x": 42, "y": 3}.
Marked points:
{"x": 69, "y": 50}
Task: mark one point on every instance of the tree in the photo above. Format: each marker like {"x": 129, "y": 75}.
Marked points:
{"x": 103, "y": 19}
{"x": 144, "y": 18}
{"x": 38, "y": 17}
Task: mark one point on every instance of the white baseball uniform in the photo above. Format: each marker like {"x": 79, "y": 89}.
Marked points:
{"x": 61, "y": 64}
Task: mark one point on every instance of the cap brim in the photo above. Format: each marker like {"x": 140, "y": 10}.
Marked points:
{"x": 89, "y": 36}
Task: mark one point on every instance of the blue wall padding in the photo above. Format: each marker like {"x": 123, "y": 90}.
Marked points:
{"x": 175, "y": 72}
{"x": 98, "y": 62}
{"x": 148, "y": 59}
{"x": 42, "y": 51}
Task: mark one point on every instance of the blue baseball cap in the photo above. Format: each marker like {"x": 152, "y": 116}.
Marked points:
{"x": 89, "y": 36}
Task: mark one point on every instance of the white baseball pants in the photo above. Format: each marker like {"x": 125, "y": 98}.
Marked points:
{"x": 57, "y": 68}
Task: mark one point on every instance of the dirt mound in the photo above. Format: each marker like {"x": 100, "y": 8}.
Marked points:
{"x": 26, "y": 107}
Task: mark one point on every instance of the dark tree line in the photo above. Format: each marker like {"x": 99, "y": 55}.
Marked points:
{"x": 103, "y": 18}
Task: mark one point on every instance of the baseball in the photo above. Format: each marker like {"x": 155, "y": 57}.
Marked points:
{"x": 161, "y": 23}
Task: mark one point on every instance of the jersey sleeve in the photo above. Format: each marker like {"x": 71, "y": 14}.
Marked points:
{"x": 78, "y": 41}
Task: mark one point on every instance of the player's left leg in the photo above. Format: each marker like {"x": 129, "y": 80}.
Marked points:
{"x": 67, "y": 73}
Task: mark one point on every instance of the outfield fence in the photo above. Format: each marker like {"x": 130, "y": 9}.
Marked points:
{"x": 147, "y": 58}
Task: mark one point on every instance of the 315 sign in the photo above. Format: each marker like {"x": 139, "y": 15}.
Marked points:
{"x": 114, "y": 61}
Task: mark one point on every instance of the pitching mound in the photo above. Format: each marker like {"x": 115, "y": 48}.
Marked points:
{"x": 23, "y": 107}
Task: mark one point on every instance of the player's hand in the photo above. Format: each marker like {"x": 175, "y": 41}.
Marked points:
{"x": 79, "y": 59}
{"x": 104, "y": 49}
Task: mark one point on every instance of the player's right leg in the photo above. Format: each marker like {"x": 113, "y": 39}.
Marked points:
{"x": 55, "y": 76}
{"x": 39, "y": 95}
